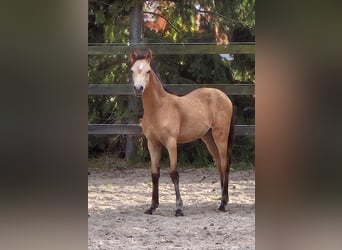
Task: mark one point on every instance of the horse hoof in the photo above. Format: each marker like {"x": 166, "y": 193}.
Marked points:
{"x": 179, "y": 212}
{"x": 148, "y": 211}
{"x": 222, "y": 208}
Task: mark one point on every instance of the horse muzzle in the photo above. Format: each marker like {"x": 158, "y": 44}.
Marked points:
{"x": 138, "y": 90}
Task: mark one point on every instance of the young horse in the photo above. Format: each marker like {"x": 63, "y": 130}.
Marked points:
{"x": 169, "y": 119}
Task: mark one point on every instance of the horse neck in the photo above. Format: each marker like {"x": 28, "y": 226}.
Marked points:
{"x": 154, "y": 94}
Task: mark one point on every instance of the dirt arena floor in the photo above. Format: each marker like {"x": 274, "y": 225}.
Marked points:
{"x": 117, "y": 201}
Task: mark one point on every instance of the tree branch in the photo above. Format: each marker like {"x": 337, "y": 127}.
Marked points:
{"x": 168, "y": 21}
{"x": 211, "y": 12}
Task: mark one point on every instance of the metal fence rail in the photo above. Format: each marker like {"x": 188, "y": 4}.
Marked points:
{"x": 172, "y": 48}
{"x": 126, "y": 89}
{"x": 135, "y": 129}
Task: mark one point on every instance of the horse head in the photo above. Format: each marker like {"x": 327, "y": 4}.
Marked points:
{"x": 140, "y": 70}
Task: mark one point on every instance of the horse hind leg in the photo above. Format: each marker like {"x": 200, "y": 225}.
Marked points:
{"x": 221, "y": 138}
{"x": 214, "y": 151}
{"x": 211, "y": 146}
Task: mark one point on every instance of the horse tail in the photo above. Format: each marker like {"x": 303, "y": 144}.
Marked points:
{"x": 231, "y": 139}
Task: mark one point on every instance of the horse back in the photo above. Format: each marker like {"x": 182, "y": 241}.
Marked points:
{"x": 213, "y": 99}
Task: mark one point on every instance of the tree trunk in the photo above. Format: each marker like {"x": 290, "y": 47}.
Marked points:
{"x": 135, "y": 36}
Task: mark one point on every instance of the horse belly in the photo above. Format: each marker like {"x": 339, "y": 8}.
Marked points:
{"x": 187, "y": 137}
{"x": 192, "y": 130}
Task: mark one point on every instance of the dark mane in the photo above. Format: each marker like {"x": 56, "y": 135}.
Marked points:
{"x": 139, "y": 54}
{"x": 153, "y": 66}
{"x": 171, "y": 92}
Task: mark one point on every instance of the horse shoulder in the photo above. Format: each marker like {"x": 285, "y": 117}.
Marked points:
{"x": 164, "y": 119}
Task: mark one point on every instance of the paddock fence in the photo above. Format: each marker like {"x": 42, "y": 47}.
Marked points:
{"x": 174, "y": 48}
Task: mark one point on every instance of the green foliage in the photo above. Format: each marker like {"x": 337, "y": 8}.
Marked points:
{"x": 108, "y": 22}
{"x": 194, "y": 154}
{"x": 206, "y": 69}
{"x": 243, "y": 152}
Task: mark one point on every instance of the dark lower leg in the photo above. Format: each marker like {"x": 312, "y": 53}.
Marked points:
{"x": 179, "y": 203}
{"x": 224, "y": 189}
{"x": 155, "y": 193}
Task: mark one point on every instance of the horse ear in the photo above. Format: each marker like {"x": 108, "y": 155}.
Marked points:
{"x": 149, "y": 55}
{"x": 132, "y": 56}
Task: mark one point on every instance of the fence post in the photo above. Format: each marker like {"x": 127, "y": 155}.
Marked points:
{"x": 135, "y": 36}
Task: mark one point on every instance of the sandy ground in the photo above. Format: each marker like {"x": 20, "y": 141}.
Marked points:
{"x": 117, "y": 201}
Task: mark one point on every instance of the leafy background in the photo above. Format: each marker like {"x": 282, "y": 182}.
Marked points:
{"x": 188, "y": 22}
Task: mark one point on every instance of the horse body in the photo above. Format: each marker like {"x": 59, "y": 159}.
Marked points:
{"x": 188, "y": 117}
{"x": 169, "y": 119}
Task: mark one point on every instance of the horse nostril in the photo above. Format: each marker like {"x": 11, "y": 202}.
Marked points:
{"x": 140, "y": 88}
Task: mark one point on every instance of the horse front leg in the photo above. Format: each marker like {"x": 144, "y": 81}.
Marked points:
{"x": 172, "y": 149}
{"x": 179, "y": 203}
{"x": 155, "y": 154}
